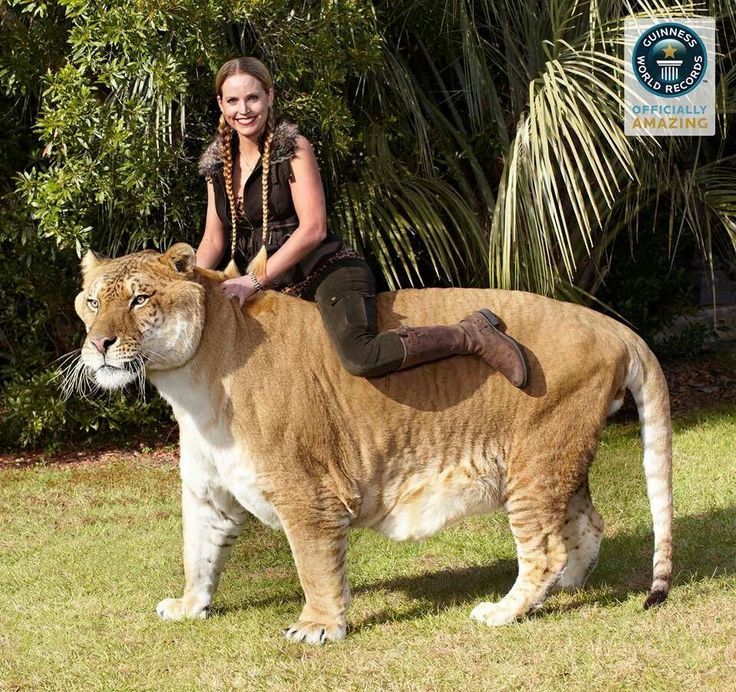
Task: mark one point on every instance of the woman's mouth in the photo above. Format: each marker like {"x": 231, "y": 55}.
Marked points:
{"x": 246, "y": 121}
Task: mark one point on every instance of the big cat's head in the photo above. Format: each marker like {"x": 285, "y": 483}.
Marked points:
{"x": 142, "y": 312}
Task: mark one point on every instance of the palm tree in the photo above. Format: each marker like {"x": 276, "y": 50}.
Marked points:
{"x": 493, "y": 149}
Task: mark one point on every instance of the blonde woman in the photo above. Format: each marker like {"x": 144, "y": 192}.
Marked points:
{"x": 265, "y": 203}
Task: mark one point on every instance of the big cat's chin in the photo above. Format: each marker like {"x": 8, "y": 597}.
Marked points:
{"x": 112, "y": 378}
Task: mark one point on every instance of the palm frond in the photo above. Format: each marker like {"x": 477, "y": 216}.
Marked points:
{"x": 409, "y": 223}
{"x": 566, "y": 167}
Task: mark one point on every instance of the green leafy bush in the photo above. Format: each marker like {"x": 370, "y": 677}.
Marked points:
{"x": 35, "y": 414}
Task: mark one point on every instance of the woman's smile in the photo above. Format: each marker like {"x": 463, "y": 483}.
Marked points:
{"x": 246, "y": 120}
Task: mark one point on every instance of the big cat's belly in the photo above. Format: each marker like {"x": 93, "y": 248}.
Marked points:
{"x": 397, "y": 502}
{"x": 421, "y": 505}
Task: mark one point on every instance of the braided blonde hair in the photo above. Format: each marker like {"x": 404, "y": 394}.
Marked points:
{"x": 254, "y": 68}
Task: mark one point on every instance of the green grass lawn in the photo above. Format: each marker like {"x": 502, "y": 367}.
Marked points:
{"x": 87, "y": 551}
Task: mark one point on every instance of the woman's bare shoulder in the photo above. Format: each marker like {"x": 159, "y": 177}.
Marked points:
{"x": 302, "y": 144}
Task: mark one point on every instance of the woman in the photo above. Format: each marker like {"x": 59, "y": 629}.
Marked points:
{"x": 293, "y": 251}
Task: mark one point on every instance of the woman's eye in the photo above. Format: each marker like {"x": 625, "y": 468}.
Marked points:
{"x": 93, "y": 304}
{"x": 140, "y": 299}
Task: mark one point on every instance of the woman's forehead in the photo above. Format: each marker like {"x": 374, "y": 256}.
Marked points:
{"x": 239, "y": 84}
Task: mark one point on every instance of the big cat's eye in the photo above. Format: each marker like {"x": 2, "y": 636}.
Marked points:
{"x": 93, "y": 304}
{"x": 139, "y": 300}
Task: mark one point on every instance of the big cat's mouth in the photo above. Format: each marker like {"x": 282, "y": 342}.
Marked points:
{"x": 81, "y": 377}
{"x": 130, "y": 368}
{"x": 113, "y": 377}
{"x": 107, "y": 366}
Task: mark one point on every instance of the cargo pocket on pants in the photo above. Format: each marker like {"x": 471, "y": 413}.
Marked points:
{"x": 347, "y": 315}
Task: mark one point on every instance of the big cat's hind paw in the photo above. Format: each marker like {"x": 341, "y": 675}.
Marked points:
{"x": 493, "y": 614}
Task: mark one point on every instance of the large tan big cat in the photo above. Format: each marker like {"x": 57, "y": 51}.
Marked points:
{"x": 272, "y": 425}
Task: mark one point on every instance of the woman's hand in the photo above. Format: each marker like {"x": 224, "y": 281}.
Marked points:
{"x": 241, "y": 288}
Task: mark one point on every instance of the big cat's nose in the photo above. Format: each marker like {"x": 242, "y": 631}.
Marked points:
{"x": 102, "y": 343}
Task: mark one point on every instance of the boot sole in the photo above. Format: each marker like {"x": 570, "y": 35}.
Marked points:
{"x": 496, "y": 323}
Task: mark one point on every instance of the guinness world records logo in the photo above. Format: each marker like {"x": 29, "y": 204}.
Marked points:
{"x": 669, "y": 59}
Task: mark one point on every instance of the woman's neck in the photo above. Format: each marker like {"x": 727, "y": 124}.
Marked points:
{"x": 249, "y": 147}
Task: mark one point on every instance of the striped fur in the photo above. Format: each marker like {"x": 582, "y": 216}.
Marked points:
{"x": 648, "y": 387}
{"x": 272, "y": 425}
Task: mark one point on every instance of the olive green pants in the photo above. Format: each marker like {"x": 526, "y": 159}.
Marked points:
{"x": 346, "y": 298}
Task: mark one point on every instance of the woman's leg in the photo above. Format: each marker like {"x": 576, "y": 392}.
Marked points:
{"x": 346, "y": 299}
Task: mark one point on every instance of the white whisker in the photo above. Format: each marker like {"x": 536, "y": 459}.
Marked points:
{"x": 140, "y": 376}
{"x": 63, "y": 360}
{"x": 69, "y": 372}
{"x": 154, "y": 357}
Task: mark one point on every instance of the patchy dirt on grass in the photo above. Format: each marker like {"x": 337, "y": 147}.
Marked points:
{"x": 706, "y": 382}
{"x": 709, "y": 381}
{"x": 141, "y": 454}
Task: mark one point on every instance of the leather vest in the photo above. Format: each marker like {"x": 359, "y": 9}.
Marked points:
{"x": 282, "y": 217}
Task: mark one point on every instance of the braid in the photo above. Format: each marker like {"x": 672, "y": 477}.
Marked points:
{"x": 258, "y": 263}
{"x": 225, "y": 132}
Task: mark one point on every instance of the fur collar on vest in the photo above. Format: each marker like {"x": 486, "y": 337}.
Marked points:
{"x": 282, "y": 148}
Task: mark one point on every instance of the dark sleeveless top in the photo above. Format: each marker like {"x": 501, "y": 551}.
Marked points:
{"x": 282, "y": 218}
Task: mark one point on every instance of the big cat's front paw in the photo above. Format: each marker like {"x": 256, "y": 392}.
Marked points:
{"x": 314, "y": 632}
{"x": 176, "y": 609}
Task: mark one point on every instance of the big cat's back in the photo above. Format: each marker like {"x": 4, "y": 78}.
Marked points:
{"x": 551, "y": 330}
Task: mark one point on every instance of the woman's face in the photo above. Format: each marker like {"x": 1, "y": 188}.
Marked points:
{"x": 245, "y": 103}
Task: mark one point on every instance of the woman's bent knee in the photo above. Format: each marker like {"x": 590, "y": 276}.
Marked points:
{"x": 372, "y": 357}
{"x": 362, "y": 369}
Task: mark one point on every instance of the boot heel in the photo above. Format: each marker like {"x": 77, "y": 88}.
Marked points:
{"x": 494, "y": 321}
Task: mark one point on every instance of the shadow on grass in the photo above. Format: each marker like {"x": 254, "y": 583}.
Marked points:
{"x": 722, "y": 412}
{"x": 705, "y": 548}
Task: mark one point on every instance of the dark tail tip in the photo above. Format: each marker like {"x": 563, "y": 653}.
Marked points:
{"x": 654, "y": 599}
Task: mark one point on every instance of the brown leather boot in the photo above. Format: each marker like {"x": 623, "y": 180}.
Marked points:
{"x": 475, "y": 334}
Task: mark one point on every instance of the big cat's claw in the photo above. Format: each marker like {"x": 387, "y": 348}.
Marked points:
{"x": 314, "y": 632}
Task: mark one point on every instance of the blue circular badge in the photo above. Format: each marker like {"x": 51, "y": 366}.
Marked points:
{"x": 669, "y": 59}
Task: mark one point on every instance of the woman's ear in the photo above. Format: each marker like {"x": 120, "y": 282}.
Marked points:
{"x": 271, "y": 95}
{"x": 219, "y": 103}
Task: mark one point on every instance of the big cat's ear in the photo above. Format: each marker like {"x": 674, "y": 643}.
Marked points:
{"x": 91, "y": 261}
{"x": 181, "y": 258}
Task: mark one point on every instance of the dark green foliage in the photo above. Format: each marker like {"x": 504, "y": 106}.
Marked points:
{"x": 652, "y": 288}
{"x": 35, "y": 414}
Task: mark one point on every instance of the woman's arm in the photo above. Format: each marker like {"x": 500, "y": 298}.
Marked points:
{"x": 309, "y": 203}
{"x": 212, "y": 246}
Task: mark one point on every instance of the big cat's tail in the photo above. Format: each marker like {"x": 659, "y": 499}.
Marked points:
{"x": 646, "y": 383}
